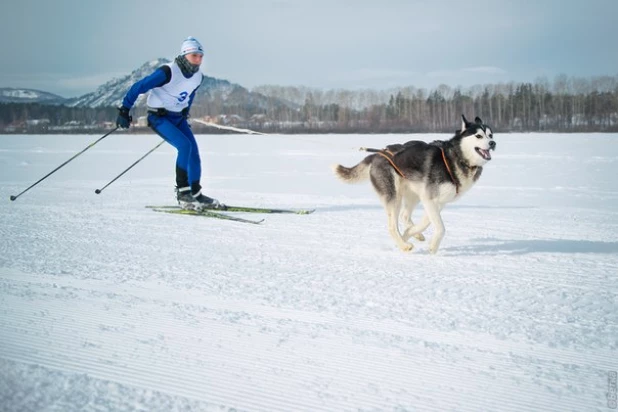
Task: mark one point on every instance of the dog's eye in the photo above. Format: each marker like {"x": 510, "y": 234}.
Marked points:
{"x": 478, "y": 136}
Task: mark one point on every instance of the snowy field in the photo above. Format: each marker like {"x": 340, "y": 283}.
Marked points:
{"x": 108, "y": 306}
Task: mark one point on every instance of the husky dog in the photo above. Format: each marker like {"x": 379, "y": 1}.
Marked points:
{"x": 433, "y": 173}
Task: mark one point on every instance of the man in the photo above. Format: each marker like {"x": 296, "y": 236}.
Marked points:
{"x": 172, "y": 89}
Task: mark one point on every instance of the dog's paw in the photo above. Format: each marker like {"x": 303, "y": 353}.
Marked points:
{"x": 412, "y": 231}
{"x": 417, "y": 236}
{"x": 406, "y": 247}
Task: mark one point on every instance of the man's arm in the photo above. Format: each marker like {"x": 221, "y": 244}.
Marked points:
{"x": 158, "y": 78}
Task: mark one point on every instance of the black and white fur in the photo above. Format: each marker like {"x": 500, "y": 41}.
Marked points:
{"x": 426, "y": 178}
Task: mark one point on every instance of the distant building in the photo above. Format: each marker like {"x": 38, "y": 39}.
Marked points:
{"x": 229, "y": 119}
{"x": 37, "y": 125}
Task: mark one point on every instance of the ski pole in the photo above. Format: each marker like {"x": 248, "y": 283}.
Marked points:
{"x": 13, "y": 197}
{"x": 98, "y": 191}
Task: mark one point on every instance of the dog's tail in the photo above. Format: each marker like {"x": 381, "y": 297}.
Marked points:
{"x": 354, "y": 174}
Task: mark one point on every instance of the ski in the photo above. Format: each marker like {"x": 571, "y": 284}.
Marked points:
{"x": 247, "y": 209}
{"x": 205, "y": 213}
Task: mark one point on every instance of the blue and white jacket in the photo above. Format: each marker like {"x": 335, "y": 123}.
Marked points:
{"x": 169, "y": 89}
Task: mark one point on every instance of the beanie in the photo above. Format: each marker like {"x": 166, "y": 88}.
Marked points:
{"x": 191, "y": 45}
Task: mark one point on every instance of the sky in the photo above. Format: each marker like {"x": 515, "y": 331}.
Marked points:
{"x": 70, "y": 47}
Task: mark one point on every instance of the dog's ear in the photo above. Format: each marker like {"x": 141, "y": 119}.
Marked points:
{"x": 478, "y": 120}
{"x": 464, "y": 123}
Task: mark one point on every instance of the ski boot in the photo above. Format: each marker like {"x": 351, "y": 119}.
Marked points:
{"x": 201, "y": 202}
{"x": 196, "y": 202}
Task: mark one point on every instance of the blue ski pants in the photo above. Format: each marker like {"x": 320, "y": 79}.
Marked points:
{"x": 175, "y": 129}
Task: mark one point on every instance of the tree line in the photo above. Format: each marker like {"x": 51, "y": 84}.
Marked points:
{"x": 19, "y": 114}
{"x": 564, "y": 105}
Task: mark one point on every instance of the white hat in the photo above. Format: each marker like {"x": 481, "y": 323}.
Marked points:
{"x": 191, "y": 45}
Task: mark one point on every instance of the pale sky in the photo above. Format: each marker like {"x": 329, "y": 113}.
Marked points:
{"x": 70, "y": 47}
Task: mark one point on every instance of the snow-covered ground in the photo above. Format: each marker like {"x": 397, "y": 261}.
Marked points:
{"x": 108, "y": 306}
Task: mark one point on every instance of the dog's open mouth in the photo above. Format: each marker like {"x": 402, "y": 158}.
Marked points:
{"x": 483, "y": 153}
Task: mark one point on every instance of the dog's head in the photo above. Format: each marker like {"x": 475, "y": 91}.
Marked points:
{"x": 477, "y": 139}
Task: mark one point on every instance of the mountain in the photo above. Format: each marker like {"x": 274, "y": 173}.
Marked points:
{"x": 214, "y": 94}
{"x": 12, "y": 95}
{"x": 112, "y": 92}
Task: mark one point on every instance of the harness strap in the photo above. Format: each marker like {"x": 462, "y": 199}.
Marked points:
{"x": 450, "y": 173}
{"x": 160, "y": 111}
{"x": 388, "y": 155}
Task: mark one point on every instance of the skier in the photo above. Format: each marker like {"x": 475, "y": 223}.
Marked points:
{"x": 172, "y": 89}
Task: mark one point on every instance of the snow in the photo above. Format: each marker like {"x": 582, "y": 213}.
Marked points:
{"x": 108, "y": 306}
{"x": 20, "y": 93}
{"x": 9, "y": 94}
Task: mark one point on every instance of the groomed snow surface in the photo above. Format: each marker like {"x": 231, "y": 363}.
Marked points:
{"x": 108, "y": 306}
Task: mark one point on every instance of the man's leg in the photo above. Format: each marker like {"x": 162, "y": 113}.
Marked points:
{"x": 195, "y": 170}
{"x": 194, "y": 163}
{"x": 172, "y": 134}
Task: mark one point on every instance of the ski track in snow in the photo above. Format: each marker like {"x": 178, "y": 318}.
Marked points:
{"x": 107, "y": 306}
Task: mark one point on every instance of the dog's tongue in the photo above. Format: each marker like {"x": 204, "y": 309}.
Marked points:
{"x": 485, "y": 154}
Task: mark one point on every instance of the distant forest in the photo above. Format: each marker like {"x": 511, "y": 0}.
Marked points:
{"x": 564, "y": 105}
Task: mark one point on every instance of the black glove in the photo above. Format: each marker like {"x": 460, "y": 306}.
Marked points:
{"x": 123, "y": 120}
{"x": 185, "y": 113}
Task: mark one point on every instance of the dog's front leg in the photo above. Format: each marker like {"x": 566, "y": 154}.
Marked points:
{"x": 432, "y": 210}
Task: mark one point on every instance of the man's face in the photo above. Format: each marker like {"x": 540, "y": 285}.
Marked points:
{"x": 194, "y": 58}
